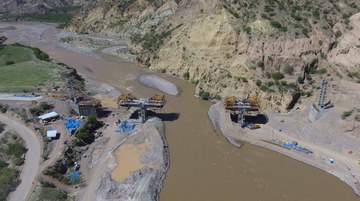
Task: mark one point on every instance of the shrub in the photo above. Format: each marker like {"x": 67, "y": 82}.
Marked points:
{"x": 268, "y": 75}
{"x": 305, "y": 31}
{"x": 321, "y": 71}
{"x": 17, "y": 149}
{"x": 52, "y": 194}
{"x": 186, "y": 75}
{"x": 2, "y": 127}
{"x": 227, "y": 56}
{"x": 42, "y": 107}
{"x": 264, "y": 88}
{"x": 289, "y": 70}
{"x": 275, "y": 24}
{"x": 92, "y": 120}
{"x": 204, "y": 95}
{"x": 346, "y": 114}
{"x": 9, "y": 62}
{"x": 9, "y": 181}
{"x": 270, "y": 83}
{"x": 123, "y": 5}
{"x": 83, "y": 134}
{"x": 247, "y": 29}
{"x": 258, "y": 83}
{"x": 260, "y": 64}
{"x": 338, "y": 34}
{"x": 277, "y": 75}
{"x": 3, "y": 108}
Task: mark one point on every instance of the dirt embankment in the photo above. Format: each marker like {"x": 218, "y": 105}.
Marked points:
{"x": 144, "y": 183}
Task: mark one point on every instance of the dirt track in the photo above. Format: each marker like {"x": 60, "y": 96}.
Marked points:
{"x": 32, "y": 158}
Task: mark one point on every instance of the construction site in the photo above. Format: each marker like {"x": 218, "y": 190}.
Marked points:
{"x": 128, "y": 101}
{"x": 246, "y": 112}
{"x": 123, "y": 155}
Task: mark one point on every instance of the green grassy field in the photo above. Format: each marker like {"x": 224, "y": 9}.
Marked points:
{"x": 27, "y": 73}
{"x": 15, "y": 54}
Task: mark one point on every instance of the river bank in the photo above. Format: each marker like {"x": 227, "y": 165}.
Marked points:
{"x": 202, "y": 162}
{"x": 324, "y": 140}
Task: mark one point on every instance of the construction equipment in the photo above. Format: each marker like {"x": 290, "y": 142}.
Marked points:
{"x": 254, "y": 126}
{"x": 155, "y": 102}
{"x": 317, "y": 110}
{"x": 242, "y": 108}
{"x": 57, "y": 96}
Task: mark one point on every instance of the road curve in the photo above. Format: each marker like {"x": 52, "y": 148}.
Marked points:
{"x": 32, "y": 158}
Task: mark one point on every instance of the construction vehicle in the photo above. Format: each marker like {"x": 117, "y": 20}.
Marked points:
{"x": 155, "y": 102}
{"x": 254, "y": 126}
{"x": 57, "y": 96}
{"x": 242, "y": 108}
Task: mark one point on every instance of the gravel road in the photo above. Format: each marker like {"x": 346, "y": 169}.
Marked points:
{"x": 32, "y": 158}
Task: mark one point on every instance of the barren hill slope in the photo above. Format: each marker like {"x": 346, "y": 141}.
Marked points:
{"x": 274, "y": 49}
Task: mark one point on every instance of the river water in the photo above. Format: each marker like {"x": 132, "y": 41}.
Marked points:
{"x": 203, "y": 165}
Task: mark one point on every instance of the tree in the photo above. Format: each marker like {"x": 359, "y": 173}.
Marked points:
{"x": 92, "y": 120}
{"x": 83, "y": 134}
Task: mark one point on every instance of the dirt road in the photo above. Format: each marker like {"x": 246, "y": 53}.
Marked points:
{"x": 32, "y": 158}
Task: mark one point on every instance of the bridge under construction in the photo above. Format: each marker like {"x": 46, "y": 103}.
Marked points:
{"x": 243, "y": 108}
{"x": 143, "y": 104}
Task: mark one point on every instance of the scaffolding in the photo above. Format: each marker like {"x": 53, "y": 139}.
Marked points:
{"x": 143, "y": 104}
{"x": 323, "y": 90}
{"x": 317, "y": 110}
{"x": 242, "y": 108}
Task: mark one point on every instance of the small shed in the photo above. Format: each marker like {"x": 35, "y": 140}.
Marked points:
{"x": 48, "y": 116}
{"x": 51, "y": 134}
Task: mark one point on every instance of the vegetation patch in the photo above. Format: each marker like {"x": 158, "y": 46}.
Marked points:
{"x": 12, "y": 150}
{"x": 60, "y": 15}
{"x": 186, "y": 75}
{"x": 30, "y": 69}
{"x": 277, "y": 75}
{"x": 41, "y": 108}
{"x": 346, "y": 114}
{"x": 204, "y": 95}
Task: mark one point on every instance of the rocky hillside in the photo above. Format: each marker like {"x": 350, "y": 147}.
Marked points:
{"x": 274, "y": 49}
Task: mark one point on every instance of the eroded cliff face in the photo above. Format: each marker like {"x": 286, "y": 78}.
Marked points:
{"x": 272, "y": 50}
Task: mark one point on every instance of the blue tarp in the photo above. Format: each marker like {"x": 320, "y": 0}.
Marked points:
{"x": 24, "y": 95}
{"x": 125, "y": 127}
{"x": 294, "y": 145}
{"x": 72, "y": 124}
{"x": 74, "y": 175}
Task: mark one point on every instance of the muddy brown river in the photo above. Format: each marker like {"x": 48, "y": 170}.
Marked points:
{"x": 203, "y": 165}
